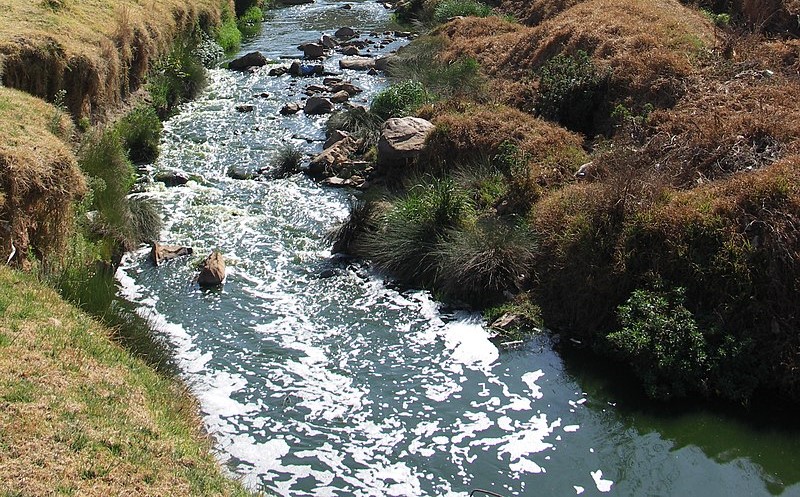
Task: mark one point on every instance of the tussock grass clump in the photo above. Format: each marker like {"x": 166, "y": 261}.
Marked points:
{"x": 399, "y": 100}
{"x": 448, "y": 9}
{"x": 286, "y": 162}
{"x": 359, "y": 122}
{"x": 39, "y": 177}
{"x": 140, "y": 131}
{"x": 113, "y": 424}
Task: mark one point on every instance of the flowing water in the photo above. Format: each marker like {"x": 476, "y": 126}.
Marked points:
{"x": 317, "y": 378}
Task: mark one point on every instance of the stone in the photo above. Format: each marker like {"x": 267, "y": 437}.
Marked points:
{"x": 586, "y": 171}
{"x": 161, "y": 253}
{"x": 345, "y": 33}
{"x": 508, "y": 322}
{"x": 299, "y": 69}
{"x": 350, "y": 50}
{"x": 357, "y": 63}
{"x": 239, "y": 173}
{"x": 252, "y": 59}
{"x": 327, "y": 163}
{"x": 317, "y": 106}
{"x": 402, "y": 138}
{"x": 347, "y": 6}
{"x": 331, "y": 81}
{"x": 291, "y": 108}
{"x": 312, "y": 50}
{"x": 383, "y": 63}
{"x": 171, "y": 178}
{"x": 262, "y": 95}
{"x": 372, "y": 71}
{"x": 340, "y": 97}
{"x": 336, "y": 136}
{"x": 245, "y": 108}
{"x": 327, "y": 41}
{"x": 350, "y": 88}
{"x": 314, "y": 89}
{"x": 212, "y": 272}
{"x": 296, "y": 2}
{"x": 278, "y": 71}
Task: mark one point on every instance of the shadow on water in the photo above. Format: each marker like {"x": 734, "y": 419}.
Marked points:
{"x": 764, "y": 433}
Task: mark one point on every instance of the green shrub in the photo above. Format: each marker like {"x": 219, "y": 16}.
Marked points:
{"x": 399, "y": 100}
{"x": 249, "y": 22}
{"x": 176, "y": 78}
{"x": 481, "y": 263}
{"x": 140, "y": 132}
{"x": 571, "y": 91}
{"x": 447, "y": 9}
{"x": 660, "y": 338}
{"x": 359, "y": 122}
{"x": 406, "y": 240}
{"x": 228, "y": 34}
{"x": 484, "y": 183}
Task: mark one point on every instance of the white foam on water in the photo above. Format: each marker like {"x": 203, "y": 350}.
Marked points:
{"x": 578, "y": 489}
{"x": 601, "y": 484}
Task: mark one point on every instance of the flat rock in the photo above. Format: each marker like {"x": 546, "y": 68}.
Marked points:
{"x": 357, "y": 63}
{"x": 345, "y": 33}
{"x": 252, "y": 59}
{"x": 245, "y": 108}
{"x": 335, "y": 137}
{"x": 350, "y": 50}
{"x": 161, "y": 253}
{"x": 350, "y": 88}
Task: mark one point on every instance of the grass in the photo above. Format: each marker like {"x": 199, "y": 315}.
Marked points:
{"x": 286, "y": 162}
{"x": 399, "y": 100}
{"x": 448, "y": 9}
{"x": 82, "y": 415}
{"x": 140, "y": 131}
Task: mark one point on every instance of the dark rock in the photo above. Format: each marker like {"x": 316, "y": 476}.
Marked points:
{"x": 262, "y": 95}
{"x": 372, "y": 72}
{"x": 331, "y": 81}
{"x": 336, "y": 136}
{"x": 327, "y": 41}
{"x": 161, "y": 253}
{"x": 317, "y": 106}
{"x": 350, "y": 50}
{"x": 171, "y": 178}
{"x": 278, "y": 71}
{"x": 350, "y": 88}
{"x": 314, "y": 89}
{"x": 245, "y": 108}
{"x": 347, "y": 6}
{"x": 312, "y": 50}
{"x": 382, "y": 63}
{"x": 237, "y": 173}
{"x": 212, "y": 272}
{"x": 253, "y": 59}
{"x": 291, "y": 108}
{"x": 345, "y": 33}
{"x": 295, "y": 2}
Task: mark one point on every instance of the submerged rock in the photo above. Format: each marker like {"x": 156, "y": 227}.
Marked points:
{"x": 253, "y": 59}
{"x": 171, "y": 178}
{"x": 212, "y": 272}
{"x": 161, "y": 253}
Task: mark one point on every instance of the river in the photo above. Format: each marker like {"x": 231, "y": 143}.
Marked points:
{"x": 315, "y": 377}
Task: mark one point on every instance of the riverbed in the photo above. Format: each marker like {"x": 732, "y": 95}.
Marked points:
{"x": 317, "y": 377}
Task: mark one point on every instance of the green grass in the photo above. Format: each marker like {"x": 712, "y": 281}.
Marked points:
{"x": 447, "y": 9}
{"x": 399, "y": 100}
{"x": 140, "y": 131}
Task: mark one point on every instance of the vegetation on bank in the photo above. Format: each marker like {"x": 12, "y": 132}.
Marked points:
{"x": 626, "y": 169}
{"x": 81, "y": 416}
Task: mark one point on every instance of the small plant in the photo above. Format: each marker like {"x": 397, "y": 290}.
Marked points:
{"x": 399, "y": 100}
{"x": 140, "y": 131}
{"x": 448, "y": 9}
{"x": 228, "y": 35}
{"x": 571, "y": 90}
{"x": 722, "y": 20}
{"x": 360, "y": 123}
{"x": 361, "y": 220}
{"x": 286, "y": 162}
{"x": 660, "y": 338}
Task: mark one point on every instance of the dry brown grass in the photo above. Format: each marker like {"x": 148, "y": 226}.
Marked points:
{"x": 39, "y": 177}
{"x": 533, "y": 12}
{"x": 97, "y": 50}
{"x": 80, "y": 416}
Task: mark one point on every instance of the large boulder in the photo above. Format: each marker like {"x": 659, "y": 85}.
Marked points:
{"x": 291, "y": 108}
{"x": 317, "y": 106}
{"x": 212, "y": 272}
{"x": 357, "y": 63}
{"x": 253, "y": 59}
{"x": 345, "y": 33}
{"x": 330, "y": 160}
{"x": 161, "y": 253}
{"x": 312, "y": 50}
{"x": 402, "y": 138}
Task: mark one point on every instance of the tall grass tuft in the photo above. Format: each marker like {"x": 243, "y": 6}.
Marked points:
{"x": 286, "y": 162}
{"x": 362, "y": 219}
{"x": 399, "y": 100}
{"x": 359, "y": 122}
{"x": 448, "y": 9}
{"x": 483, "y": 262}
{"x": 228, "y": 34}
{"x": 140, "y": 131}
{"x": 176, "y": 78}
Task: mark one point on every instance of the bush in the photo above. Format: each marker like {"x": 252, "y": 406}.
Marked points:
{"x": 406, "y": 240}
{"x": 361, "y": 220}
{"x": 481, "y": 263}
{"x": 571, "y": 91}
{"x": 399, "y": 100}
{"x": 228, "y": 34}
{"x": 661, "y": 340}
{"x": 448, "y": 9}
{"x": 249, "y": 22}
{"x": 286, "y": 162}
{"x": 140, "y": 132}
{"x": 175, "y": 79}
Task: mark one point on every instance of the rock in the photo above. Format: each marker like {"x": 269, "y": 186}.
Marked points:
{"x": 372, "y": 72}
{"x": 317, "y": 106}
{"x": 161, "y": 253}
{"x": 350, "y": 50}
{"x": 331, "y": 81}
{"x": 262, "y": 95}
{"x": 240, "y": 174}
{"x": 336, "y": 136}
{"x": 314, "y": 89}
{"x": 291, "y": 108}
{"x": 299, "y": 69}
{"x": 327, "y": 41}
{"x": 347, "y": 6}
{"x": 383, "y": 63}
{"x": 278, "y": 71}
{"x": 402, "y": 34}
{"x": 586, "y": 171}
{"x": 327, "y": 163}
{"x": 345, "y": 33}
{"x": 212, "y": 272}
{"x": 253, "y": 59}
{"x": 312, "y": 50}
{"x": 245, "y": 108}
{"x": 357, "y": 63}
{"x": 171, "y": 178}
{"x": 335, "y": 181}
{"x": 508, "y": 322}
{"x": 340, "y": 97}
{"x": 402, "y": 138}
{"x": 350, "y": 88}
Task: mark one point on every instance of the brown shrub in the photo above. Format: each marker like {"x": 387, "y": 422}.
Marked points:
{"x": 39, "y": 177}
{"x": 770, "y": 15}
{"x": 534, "y": 12}
{"x": 554, "y": 153}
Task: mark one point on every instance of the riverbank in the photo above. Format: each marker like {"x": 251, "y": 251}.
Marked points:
{"x": 622, "y": 173}
{"x": 81, "y": 416}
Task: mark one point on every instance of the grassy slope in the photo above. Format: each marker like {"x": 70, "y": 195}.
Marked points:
{"x": 80, "y": 416}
